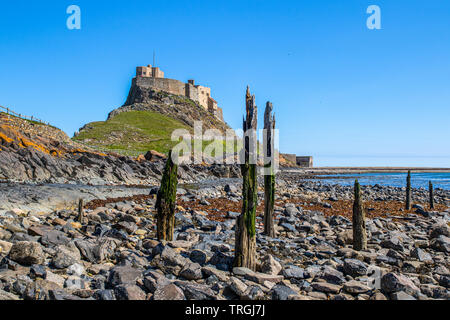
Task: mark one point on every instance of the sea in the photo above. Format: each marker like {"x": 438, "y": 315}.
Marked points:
{"x": 418, "y": 180}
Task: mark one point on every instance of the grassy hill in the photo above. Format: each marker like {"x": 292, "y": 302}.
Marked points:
{"x": 146, "y": 122}
{"x": 131, "y": 133}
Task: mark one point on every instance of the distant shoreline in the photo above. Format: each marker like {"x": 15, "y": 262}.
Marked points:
{"x": 359, "y": 170}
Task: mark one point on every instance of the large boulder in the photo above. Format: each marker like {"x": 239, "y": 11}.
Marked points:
{"x": 282, "y": 292}
{"x": 294, "y": 272}
{"x": 354, "y": 268}
{"x": 270, "y": 266}
{"x": 129, "y": 291}
{"x": 27, "y": 253}
{"x": 66, "y": 256}
{"x": 169, "y": 292}
{"x": 99, "y": 251}
{"x": 441, "y": 243}
{"x": 331, "y": 275}
{"x": 196, "y": 291}
{"x": 392, "y": 282}
{"x": 356, "y": 287}
{"x": 192, "y": 271}
{"x": 122, "y": 275}
{"x": 441, "y": 229}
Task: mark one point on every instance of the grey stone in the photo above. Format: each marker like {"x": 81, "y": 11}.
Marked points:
{"x": 222, "y": 261}
{"x": 356, "y": 287}
{"x": 441, "y": 243}
{"x": 211, "y": 271}
{"x": 281, "y": 292}
{"x": 392, "y": 282}
{"x": 331, "y": 275}
{"x": 75, "y": 282}
{"x": 104, "y": 295}
{"x": 421, "y": 255}
{"x": 326, "y": 287}
{"x": 129, "y": 291}
{"x": 270, "y": 266}
{"x": 198, "y": 256}
{"x": 169, "y": 292}
{"x": 123, "y": 275}
{"x": 237, "y": 286}
{"x": 27, "y": 253}
{"x": 354, "y": 268}
{"x": 192, "y": 271}
{"x": 440, "y": 230}
{"x": 293, "y": 272}
{"x": 64, "y": 258}
{"x": 38, "y": 271}
{"x": 54, "y": 238}
{"x": 195, "y": 291}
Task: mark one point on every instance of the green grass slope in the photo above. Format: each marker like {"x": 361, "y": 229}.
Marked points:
{"x": 131, "y": 133}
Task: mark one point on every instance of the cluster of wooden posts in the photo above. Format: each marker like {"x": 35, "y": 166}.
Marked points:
{"x": 359, "y": 226}
{"x": 245, "y": 242}
{"x": 245, "y": 245}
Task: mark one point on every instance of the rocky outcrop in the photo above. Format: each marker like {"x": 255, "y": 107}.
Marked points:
{"x": 42, "y": 154}
{"x": 31, "y": 165}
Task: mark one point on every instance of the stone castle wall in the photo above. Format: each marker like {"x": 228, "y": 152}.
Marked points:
{"x": 168, "y": 85}
{"x": 153, "y": 78}
{"x": 203, "y": 95}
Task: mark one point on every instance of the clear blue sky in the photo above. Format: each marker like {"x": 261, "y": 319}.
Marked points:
{"x": 340, "y": 90}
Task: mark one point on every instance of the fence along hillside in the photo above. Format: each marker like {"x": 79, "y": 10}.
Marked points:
{"x": 8, "y": 111}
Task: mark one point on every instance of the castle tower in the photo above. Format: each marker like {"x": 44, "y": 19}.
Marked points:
{"x": 149, "y": 72}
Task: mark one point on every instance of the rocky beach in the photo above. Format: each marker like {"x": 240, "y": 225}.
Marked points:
{"x": 110, "y": 215}
{"x": 49, "y": 252}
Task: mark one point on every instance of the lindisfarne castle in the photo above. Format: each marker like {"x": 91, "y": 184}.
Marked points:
{"x": 153, "y": 78}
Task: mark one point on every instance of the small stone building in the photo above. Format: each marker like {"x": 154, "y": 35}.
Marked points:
{"x": 304, "y": 161}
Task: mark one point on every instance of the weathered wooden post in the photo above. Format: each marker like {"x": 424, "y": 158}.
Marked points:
{"x": 166, "y": 201}
{"x": 269, "y": 177}
{"x": 408, "y": 191}
{"x": 430, "y": 188}
{"x": 80, "y": 211}
{"x": 359, "y": 221}
{"x": 245, "y": 242}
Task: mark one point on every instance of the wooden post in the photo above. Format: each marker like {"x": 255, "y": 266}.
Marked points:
{"x": 408, "y": 191}
{"x": 269, "y": 177}
{"x": 430, "y": 189}
{"x": 245, "y": 242}
{"x": 80, "y": 211}
{"x": 166, "y": 201}
{"x": 359, "y": 223}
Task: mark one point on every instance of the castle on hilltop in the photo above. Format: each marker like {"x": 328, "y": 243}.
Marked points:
{"x": 153, "y": 77}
